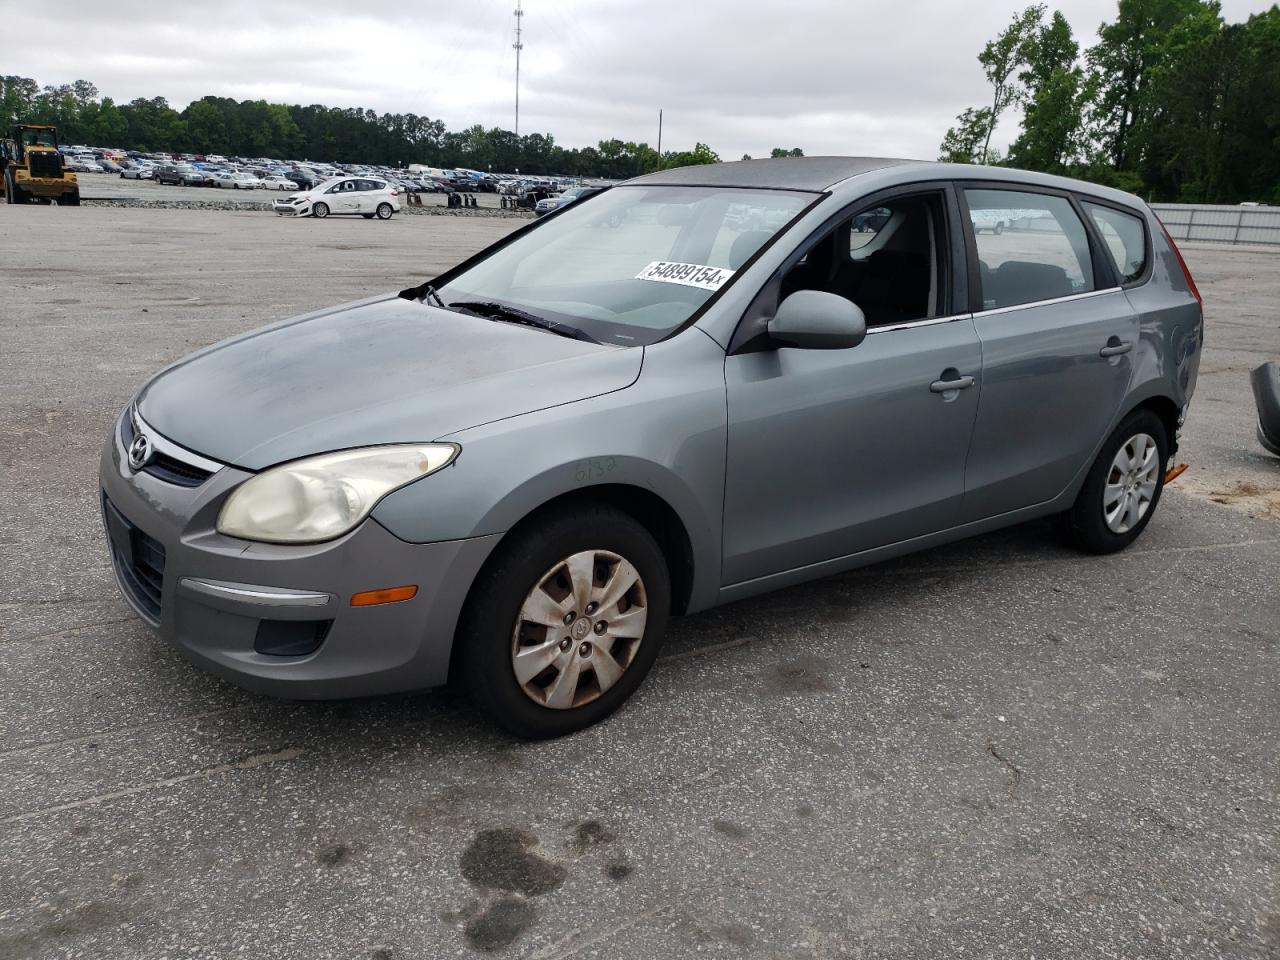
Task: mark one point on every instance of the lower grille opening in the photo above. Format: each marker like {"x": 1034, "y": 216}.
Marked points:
{"x": 138, "y": 558}
{"x": 290, "y": 638}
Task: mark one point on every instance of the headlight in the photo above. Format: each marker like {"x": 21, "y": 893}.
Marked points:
{"x": 323, "y": 497}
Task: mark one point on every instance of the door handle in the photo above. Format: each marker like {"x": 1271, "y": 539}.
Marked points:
{"x": 1115, "y": 347}
{"x": 946, "y": 386}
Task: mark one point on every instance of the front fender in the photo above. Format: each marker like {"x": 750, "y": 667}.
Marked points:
{"x": 664, "y": 434}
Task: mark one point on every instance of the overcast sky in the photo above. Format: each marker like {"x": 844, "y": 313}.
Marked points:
{"x": 830, "y": 76}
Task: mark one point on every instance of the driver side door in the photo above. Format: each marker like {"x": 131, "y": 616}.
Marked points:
{"x": 834, "y": 452}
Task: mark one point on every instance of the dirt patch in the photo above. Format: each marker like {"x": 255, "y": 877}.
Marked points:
{"x": 1256, "y": 499}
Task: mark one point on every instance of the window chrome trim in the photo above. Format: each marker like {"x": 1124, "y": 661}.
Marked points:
{"x": 160, "y": 444}
{"x": 249, "y": 593}
{"x": 1044, "y": 303}
{"x": 928, "y": 322}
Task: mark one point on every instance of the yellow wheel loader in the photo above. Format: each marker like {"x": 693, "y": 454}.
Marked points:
{"x": 31, "y": 168}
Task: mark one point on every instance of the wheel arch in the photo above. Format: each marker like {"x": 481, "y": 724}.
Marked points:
{"x": 646, "y": 507}
{"x": 1163, "y": 406}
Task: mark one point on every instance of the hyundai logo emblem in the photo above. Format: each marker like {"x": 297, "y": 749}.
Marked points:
{"x": 139, "y": 452}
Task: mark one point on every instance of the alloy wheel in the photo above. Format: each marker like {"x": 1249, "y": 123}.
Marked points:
{"x": 579, "y": 629}
{"x": 1131, "y": 483}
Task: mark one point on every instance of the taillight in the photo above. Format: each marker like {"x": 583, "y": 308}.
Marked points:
{"x": 1191, "y": 284}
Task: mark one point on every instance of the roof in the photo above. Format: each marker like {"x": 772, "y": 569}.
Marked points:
{"x": 783, "y": 173}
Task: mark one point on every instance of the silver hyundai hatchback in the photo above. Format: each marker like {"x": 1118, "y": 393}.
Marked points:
{"x": 700, "y": 385}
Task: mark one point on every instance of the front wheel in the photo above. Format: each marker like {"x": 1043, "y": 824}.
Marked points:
{"x": 565, "y": 622}
{"x": 320, "y": 211}
{"x": 1122, "y": 488}
{"x": 71, "y": 199}
{"x": 384, "y": 211}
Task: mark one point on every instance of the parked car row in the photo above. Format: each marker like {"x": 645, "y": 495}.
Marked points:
{"x": 213, "y": 170}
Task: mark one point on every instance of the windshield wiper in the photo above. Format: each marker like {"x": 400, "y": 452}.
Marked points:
{"x": 500, "y": 311}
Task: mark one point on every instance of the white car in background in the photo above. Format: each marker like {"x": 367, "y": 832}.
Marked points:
{"x": 278, "y": 183}
{"x": 138, "y": 171}
{"x": 368, "y": 196}
{"x": 237, "y": 181}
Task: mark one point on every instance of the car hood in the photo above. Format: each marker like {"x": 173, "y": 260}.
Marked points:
{"x": 383, "y": 370}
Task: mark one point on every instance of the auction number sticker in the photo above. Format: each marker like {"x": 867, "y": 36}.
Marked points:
{"x": 688, "y": 274}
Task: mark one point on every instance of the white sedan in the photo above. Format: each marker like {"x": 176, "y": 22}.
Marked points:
{"x": 367, "y": 196}
{"x": 238, "y": 181}
{"x": 278, "y": 183}
{"x": 139, "y": 171}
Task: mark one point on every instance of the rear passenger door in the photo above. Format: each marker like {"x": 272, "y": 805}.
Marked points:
{"x": 1057, "y": 335}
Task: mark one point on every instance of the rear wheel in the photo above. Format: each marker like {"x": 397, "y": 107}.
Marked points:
{"x": 71, "y": 199}
{"x": 563, "y": 624}
{"x": 1123, "y": 487}
{"x": 320, "y": 210}
{"x": 384, "y": 211}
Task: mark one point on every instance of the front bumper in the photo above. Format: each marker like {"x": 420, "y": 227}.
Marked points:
{"x": 286, "y": 209}
{"x": 215, "y": 598}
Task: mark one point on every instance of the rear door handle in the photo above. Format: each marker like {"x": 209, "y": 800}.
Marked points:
{"x": 1115, "y": 347}
{"x": 946, "y": 386}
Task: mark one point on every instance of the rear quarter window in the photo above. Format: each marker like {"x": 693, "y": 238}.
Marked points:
{"x": 1125, "y": 237}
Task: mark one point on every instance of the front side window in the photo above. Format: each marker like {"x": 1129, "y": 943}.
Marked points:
{"x": 1031, "y": 247}
{"x": 889, "y": 260}
{"x": 1125, "y": 237}
{"x": 633, "y": 264}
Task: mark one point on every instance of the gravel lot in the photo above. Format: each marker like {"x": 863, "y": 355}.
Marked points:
{"x": 996, "y": 749}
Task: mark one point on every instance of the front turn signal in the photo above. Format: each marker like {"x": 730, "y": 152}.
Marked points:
{"x": 370, "y": 598}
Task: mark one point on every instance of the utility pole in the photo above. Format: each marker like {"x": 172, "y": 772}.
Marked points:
{"x": 518, "y": 46}
{"x": 659, "y": 136}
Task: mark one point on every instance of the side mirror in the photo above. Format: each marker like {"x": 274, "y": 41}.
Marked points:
{"x": 814, "y": 320}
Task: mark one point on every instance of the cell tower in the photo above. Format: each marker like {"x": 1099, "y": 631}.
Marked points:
{"x": 518, "y": 46}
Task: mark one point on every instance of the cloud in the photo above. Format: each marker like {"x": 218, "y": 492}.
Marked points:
{"x": 830, "y": 76}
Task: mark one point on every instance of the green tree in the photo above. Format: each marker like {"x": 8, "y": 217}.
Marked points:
{"x": 1055, "y": 94}
{"x": 1123, "y": 59}
{"x": 778, "y": 152}
{"x": 964, "y": 143}
{"x": 1002, "y": 59}
{"x": 701, "y": 153}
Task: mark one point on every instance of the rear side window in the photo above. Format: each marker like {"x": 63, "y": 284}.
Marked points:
{"x": 1125, "y": 237}
{"x": 1031, "y": 246}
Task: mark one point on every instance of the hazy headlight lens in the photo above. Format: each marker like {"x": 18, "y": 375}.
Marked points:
{"x": 323, "y": 497}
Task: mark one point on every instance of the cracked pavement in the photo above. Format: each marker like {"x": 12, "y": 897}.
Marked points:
{"x": 995, "y": 749}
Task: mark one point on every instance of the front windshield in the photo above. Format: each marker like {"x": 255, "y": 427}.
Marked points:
{"x": 39, "y": 138}
{"x": 633, "y": 264}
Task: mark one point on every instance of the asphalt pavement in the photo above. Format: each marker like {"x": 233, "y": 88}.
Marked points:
{"x": 996, "y": 749}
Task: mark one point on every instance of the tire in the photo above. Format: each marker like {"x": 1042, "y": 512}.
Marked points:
{"x": 367, "y": 216}
{"x": 319, "y": 210}
{"x": 1112, "y": 510}
{"x": 384, "y": 211}
{"x": 71, "y": 199}
{"x": 999, "y": 228}
{"x": 530, "y": 570}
